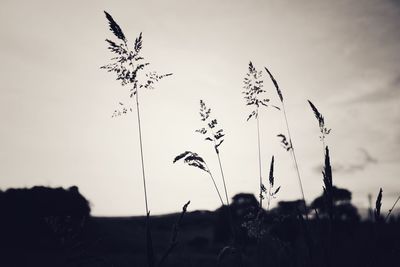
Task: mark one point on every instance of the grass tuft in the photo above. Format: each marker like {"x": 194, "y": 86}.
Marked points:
{"x": 378, "y": 205}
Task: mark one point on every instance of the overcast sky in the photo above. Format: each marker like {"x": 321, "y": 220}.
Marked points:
{"x": 56, "y": 104}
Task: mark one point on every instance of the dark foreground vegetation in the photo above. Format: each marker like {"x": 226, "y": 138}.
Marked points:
{"x": 52, "y": 227}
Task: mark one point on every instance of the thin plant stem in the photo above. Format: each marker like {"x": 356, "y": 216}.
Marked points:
{"x": 269, "y": 196}
{"x": 215, "y": 185}
{"x": 149, "y": 241}
{"x": 227, "y": 200}
{"x": 390, "y": 211}
{"x": 223, "y": 179}
{"x": 174, "y": 239}
{"x": 141, "y": 152}
{"x": 216, "y": 188}
{"x": 225, "y": 189}
{"x": 221, "y": 169}
{"x": 259, "y": 156}
{"x": 140, "y": 140}
{"x": 294, "y": 159}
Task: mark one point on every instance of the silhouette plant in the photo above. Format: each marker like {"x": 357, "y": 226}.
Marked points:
{"x": 174, "y": 236}
{"x": 214, "y": 135}
{"x": 321, "y": 123}
{"x": 328, "y": 193}
{"x": 288, "y": 143}
{"x": 328, "y": 184}
{"x": 272, "y": 192}
{"x": 127, "y": 63}
{"x": 378, "y": 205}
{"x": 254, "y": 224}
{"x": 193, "y": 159}
{"x": 254, "y": 97}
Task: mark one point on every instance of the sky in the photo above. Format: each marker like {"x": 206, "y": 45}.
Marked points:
{"x": 56, "y": 103}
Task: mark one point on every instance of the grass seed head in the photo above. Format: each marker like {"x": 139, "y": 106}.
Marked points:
{"x": 378, "y": 205}
{"x": 278, "y": 90}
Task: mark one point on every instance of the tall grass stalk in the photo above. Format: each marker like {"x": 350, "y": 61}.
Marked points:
{"x": 141, "y": 152}
{"x": 328, "y": 190}
{"x": 254, "y": 97}
{"x": 216, "y": 136}
{"x": 271, "y": 182}
{"x": 328, "y": 184}
{"x": 193, "y": 159}
{"x": 213, "y": 135}
{"x": 290, "y": 146}
{"x": 223, "y": 177}
{"x": 126, "y": 64}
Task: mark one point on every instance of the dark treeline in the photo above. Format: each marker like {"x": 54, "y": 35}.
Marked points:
{"x": 39, "y": 219}
{"x": 43, "y": 201}
{"x": 52, "y": 227}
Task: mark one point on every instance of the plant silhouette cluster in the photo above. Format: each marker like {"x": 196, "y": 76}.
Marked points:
{"x": 127, "y": 63}
{"x": 52, "y": 226}
{"x": 211, "y": 133}
{"x": 254, "y": 94}
{"x": 257, "y": 223}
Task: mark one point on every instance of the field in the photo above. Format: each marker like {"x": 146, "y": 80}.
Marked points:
{"x": 203, "y": 240}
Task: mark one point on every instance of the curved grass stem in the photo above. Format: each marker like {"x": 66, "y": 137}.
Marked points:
{"x": 295, "y": 159}
{"x": 223, "y": 179}
{"x": 216, "y": 187}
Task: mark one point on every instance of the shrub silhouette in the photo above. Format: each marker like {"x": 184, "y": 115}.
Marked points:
{"x": 41, "y": 213}
{"x": 42, "y": 201}
{"x": 289, "y": 208}
{"x": 343, "y": 209}
{"x": 242, "y": 204}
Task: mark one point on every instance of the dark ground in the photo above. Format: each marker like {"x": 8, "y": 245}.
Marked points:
{"x": 119, "y": 242}
{"x": 40, "y": 228}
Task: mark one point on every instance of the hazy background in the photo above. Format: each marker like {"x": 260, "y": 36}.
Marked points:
{"x": 56, "y": 104}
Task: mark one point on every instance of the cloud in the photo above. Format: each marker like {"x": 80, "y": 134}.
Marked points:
{"x": 389, "y": 92}
{"x": 350, "y": 168}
